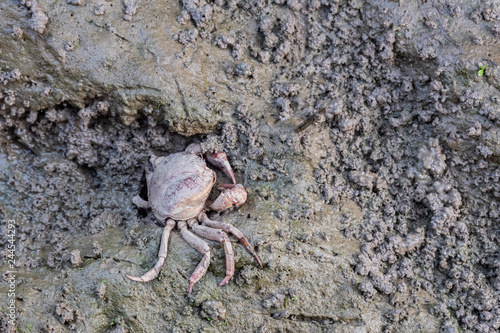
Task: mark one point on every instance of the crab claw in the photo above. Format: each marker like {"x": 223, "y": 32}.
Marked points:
{"x": 232, "y": 195}
{"x": 219, "y": 159}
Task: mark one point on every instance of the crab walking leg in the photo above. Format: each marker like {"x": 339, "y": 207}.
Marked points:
{"x": 141, "y": 203}
{"x": 230, "y": 229}
{"x": 201, "y": 246}
{"x": 162, "y": 254}
{"x": 219, "y": 236}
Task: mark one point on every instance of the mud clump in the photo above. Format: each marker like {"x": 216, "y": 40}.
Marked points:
{"x": 212, "y": 310}
{"x": 39, "y": 19}
{"x": 65, "y": 313}
{"x": 363, "y": 132}
{"x": 75, "y": 258}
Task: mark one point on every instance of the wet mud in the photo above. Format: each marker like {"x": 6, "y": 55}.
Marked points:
{"x": 367, "y": 134}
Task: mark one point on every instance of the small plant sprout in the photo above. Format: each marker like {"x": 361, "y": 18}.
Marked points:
{"x": 482, "y": 69}
{"x": 28, "y": 328}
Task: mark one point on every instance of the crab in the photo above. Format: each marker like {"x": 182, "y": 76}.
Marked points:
{"x": 178, "y": 189}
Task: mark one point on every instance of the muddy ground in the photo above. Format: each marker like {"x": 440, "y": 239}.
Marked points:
{"x": 367, "y": 134}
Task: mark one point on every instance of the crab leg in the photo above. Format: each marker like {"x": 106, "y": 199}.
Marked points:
{"x": 201, "y": 246}
{"x": 162, "y": 254}
{"x": 141, "y": 203}
{"x": 219, "y": 236}
{"x": 233, "y": 230}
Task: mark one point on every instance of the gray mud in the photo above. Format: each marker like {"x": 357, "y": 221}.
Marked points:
{"x": 367, "y": 134}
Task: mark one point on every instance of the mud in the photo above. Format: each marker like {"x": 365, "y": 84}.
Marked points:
{"x": 366, "y": 134}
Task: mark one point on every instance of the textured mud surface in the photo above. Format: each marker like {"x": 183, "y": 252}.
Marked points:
{"x": 366, "y": 133}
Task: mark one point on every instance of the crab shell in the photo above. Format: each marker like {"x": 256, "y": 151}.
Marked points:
{"x": 179, "y": 186}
